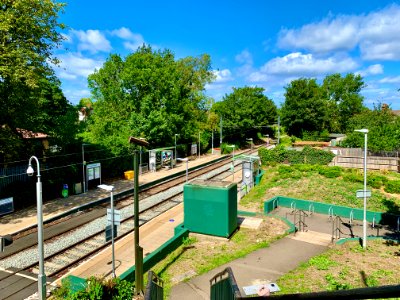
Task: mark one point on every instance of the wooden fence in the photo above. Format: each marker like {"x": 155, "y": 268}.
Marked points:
{"x": 354, "y": 158}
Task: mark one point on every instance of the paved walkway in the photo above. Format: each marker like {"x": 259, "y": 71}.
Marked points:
{"x": 268, "y": 264}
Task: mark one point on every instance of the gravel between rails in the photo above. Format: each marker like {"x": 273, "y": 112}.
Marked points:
{"x": 26, "y": 258}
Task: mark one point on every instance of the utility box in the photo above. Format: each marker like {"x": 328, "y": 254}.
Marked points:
{"x": 210, "y": 207}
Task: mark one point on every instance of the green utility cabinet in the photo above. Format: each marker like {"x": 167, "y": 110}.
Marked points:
{"x": 210, "y": 207}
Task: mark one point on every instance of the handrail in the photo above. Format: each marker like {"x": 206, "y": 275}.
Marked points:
{"x": 154, "y": 288}
{"x": 309, "y": 209}
{"x": 275, "y": 201}
{"x": 351, "y": 218}
{"x": 301, "y": 224}
{"x": 330, "y": 212}
{"x": 398, "y": 224}
{"x": 373, "y": 221}
{"x": 226, "y": 274}
{"x": 293, "y": 205}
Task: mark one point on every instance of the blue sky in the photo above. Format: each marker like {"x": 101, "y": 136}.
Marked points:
{"x": 254, "y": 43}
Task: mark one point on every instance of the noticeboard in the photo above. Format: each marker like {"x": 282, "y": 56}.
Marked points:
{"x": 93, "y": 171}
{"x": 6, "y": 206}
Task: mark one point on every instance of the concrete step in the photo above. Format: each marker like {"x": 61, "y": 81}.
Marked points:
{"x": 312, "y": 237}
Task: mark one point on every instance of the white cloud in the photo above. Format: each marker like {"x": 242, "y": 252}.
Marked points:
{"x": 392, "y": 79}
{"x": 377, "y": 35}
{"x": 132, "y": 40}
{"x": 74, "y": 65}
{"x": 371, "y": 70}
{"x": 90, "y": 40}
{"x": 327, "y": 35}
{"x": 222, "y": 75}
{"x": 244, "y": 57}
{"x": 298, "y": 64}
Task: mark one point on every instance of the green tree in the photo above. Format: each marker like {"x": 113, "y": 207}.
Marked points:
{"x": 29, "y": 32}
{"x": 344, "y": 99}
{"x": 304, "y": 109}
{"x": 149, "y": 94}
{"x": 243, "y": 110}
{"x": 383, "y": 126}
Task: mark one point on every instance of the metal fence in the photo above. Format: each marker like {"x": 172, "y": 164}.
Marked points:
{"x": 154, "y": 288}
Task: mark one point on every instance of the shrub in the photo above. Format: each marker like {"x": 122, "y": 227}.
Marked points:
{"x": 307, "y": 156}
{"x": 352, "y": 177}
{"x": 392, "y": 186}
{"x": 330, "y": 172}
{"x": 376, "y": 181}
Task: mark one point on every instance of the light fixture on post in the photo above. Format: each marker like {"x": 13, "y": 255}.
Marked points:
{"x": 39, "y": 204}
{"x": 251, "y": 143}
{"x": 365, "y": 131}
{"x": 187, "y": 167}
{"x": 175, "y": 146}
{"x": 110, "y": 188}
{"x": 138, "y": 249}
{"x": 233, "y": 161}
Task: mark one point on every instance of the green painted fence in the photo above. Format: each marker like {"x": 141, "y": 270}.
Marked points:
{"x": 330, "y": 209}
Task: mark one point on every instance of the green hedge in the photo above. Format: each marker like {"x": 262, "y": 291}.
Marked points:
{"x": 392, "y": 186}
{"x": 307, "y": 156}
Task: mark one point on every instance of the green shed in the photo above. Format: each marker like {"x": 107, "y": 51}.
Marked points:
{"x": 210, "y": 207}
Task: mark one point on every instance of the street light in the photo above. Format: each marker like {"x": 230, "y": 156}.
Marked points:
{"x": 187, "y": 166}
{"x": 41, "y": 275}
{"x": 110, "y": 188}
{"x": 365, "y": 131}
{"x": 233, "y": 161}
{"x": 175, "y": 144}
{"x": 251, "y": 143}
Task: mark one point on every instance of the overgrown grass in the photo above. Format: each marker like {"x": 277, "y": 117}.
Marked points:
{"x": 344, "y": 267}
{"x": 201, "y": 256}
{"x": 323, "y": 184}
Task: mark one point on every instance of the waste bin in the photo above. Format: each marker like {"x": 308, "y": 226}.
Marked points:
{"x": 64, "y": 191}
{"x": 128, "y": 174}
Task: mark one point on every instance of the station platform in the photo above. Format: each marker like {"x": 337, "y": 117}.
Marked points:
{"x": 25, "y": 218}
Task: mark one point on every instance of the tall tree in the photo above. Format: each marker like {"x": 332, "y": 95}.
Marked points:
{"x": 149, "y": 94}
{"x": 243, "y": 110}
{"x": 29, "y": 32}
{"x": 304, "y": 109}
{"x": 344, "y": 99}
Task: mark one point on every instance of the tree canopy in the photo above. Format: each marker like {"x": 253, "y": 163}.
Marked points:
{"x": 311, "y": 107}
{"x": 243, "y": 110}
{"x": 149, "y": 94}
{"x": 30, "y": 94}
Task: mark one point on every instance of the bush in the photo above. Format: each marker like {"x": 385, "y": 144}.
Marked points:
{"x": 330, "y": 172}
{"x": 97, "y": 288}
{"x": 351, "y": 177}
{"x": 392, "y": 186}
{"x": 307, "y": 156}
{"x": 376, "y": 181}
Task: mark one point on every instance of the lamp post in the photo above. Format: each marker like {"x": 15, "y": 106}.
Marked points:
{"x": 199, "y": 144}
{"x": 110, "y": 188}
{"x": 365, "y": 131}
{"x": 233, "y": 161}
{"x": 175, "y": 144}
{"x": 187, "y": 167}
{"x": 251, "y": 143}
{"x": 41, "y": 275}
{"x": 138, "y": 249}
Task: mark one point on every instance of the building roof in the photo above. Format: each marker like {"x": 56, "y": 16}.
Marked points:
{"x": 27, "y": 134}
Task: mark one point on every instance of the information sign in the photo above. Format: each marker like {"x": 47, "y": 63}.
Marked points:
{"x": 360, "y": 194}
{"x": 117, "y": 217}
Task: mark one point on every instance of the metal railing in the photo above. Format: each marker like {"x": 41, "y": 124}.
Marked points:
{"x": 154, "y": 288}
{"x": 223, "y": 286}
{"x": 300, "y": 220}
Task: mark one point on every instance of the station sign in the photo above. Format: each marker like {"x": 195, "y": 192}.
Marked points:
{"x": 117, "y": 217}
{"x": 360, "y": 193}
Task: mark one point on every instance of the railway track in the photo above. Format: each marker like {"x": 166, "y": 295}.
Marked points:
{"x": 59, "y": 261}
